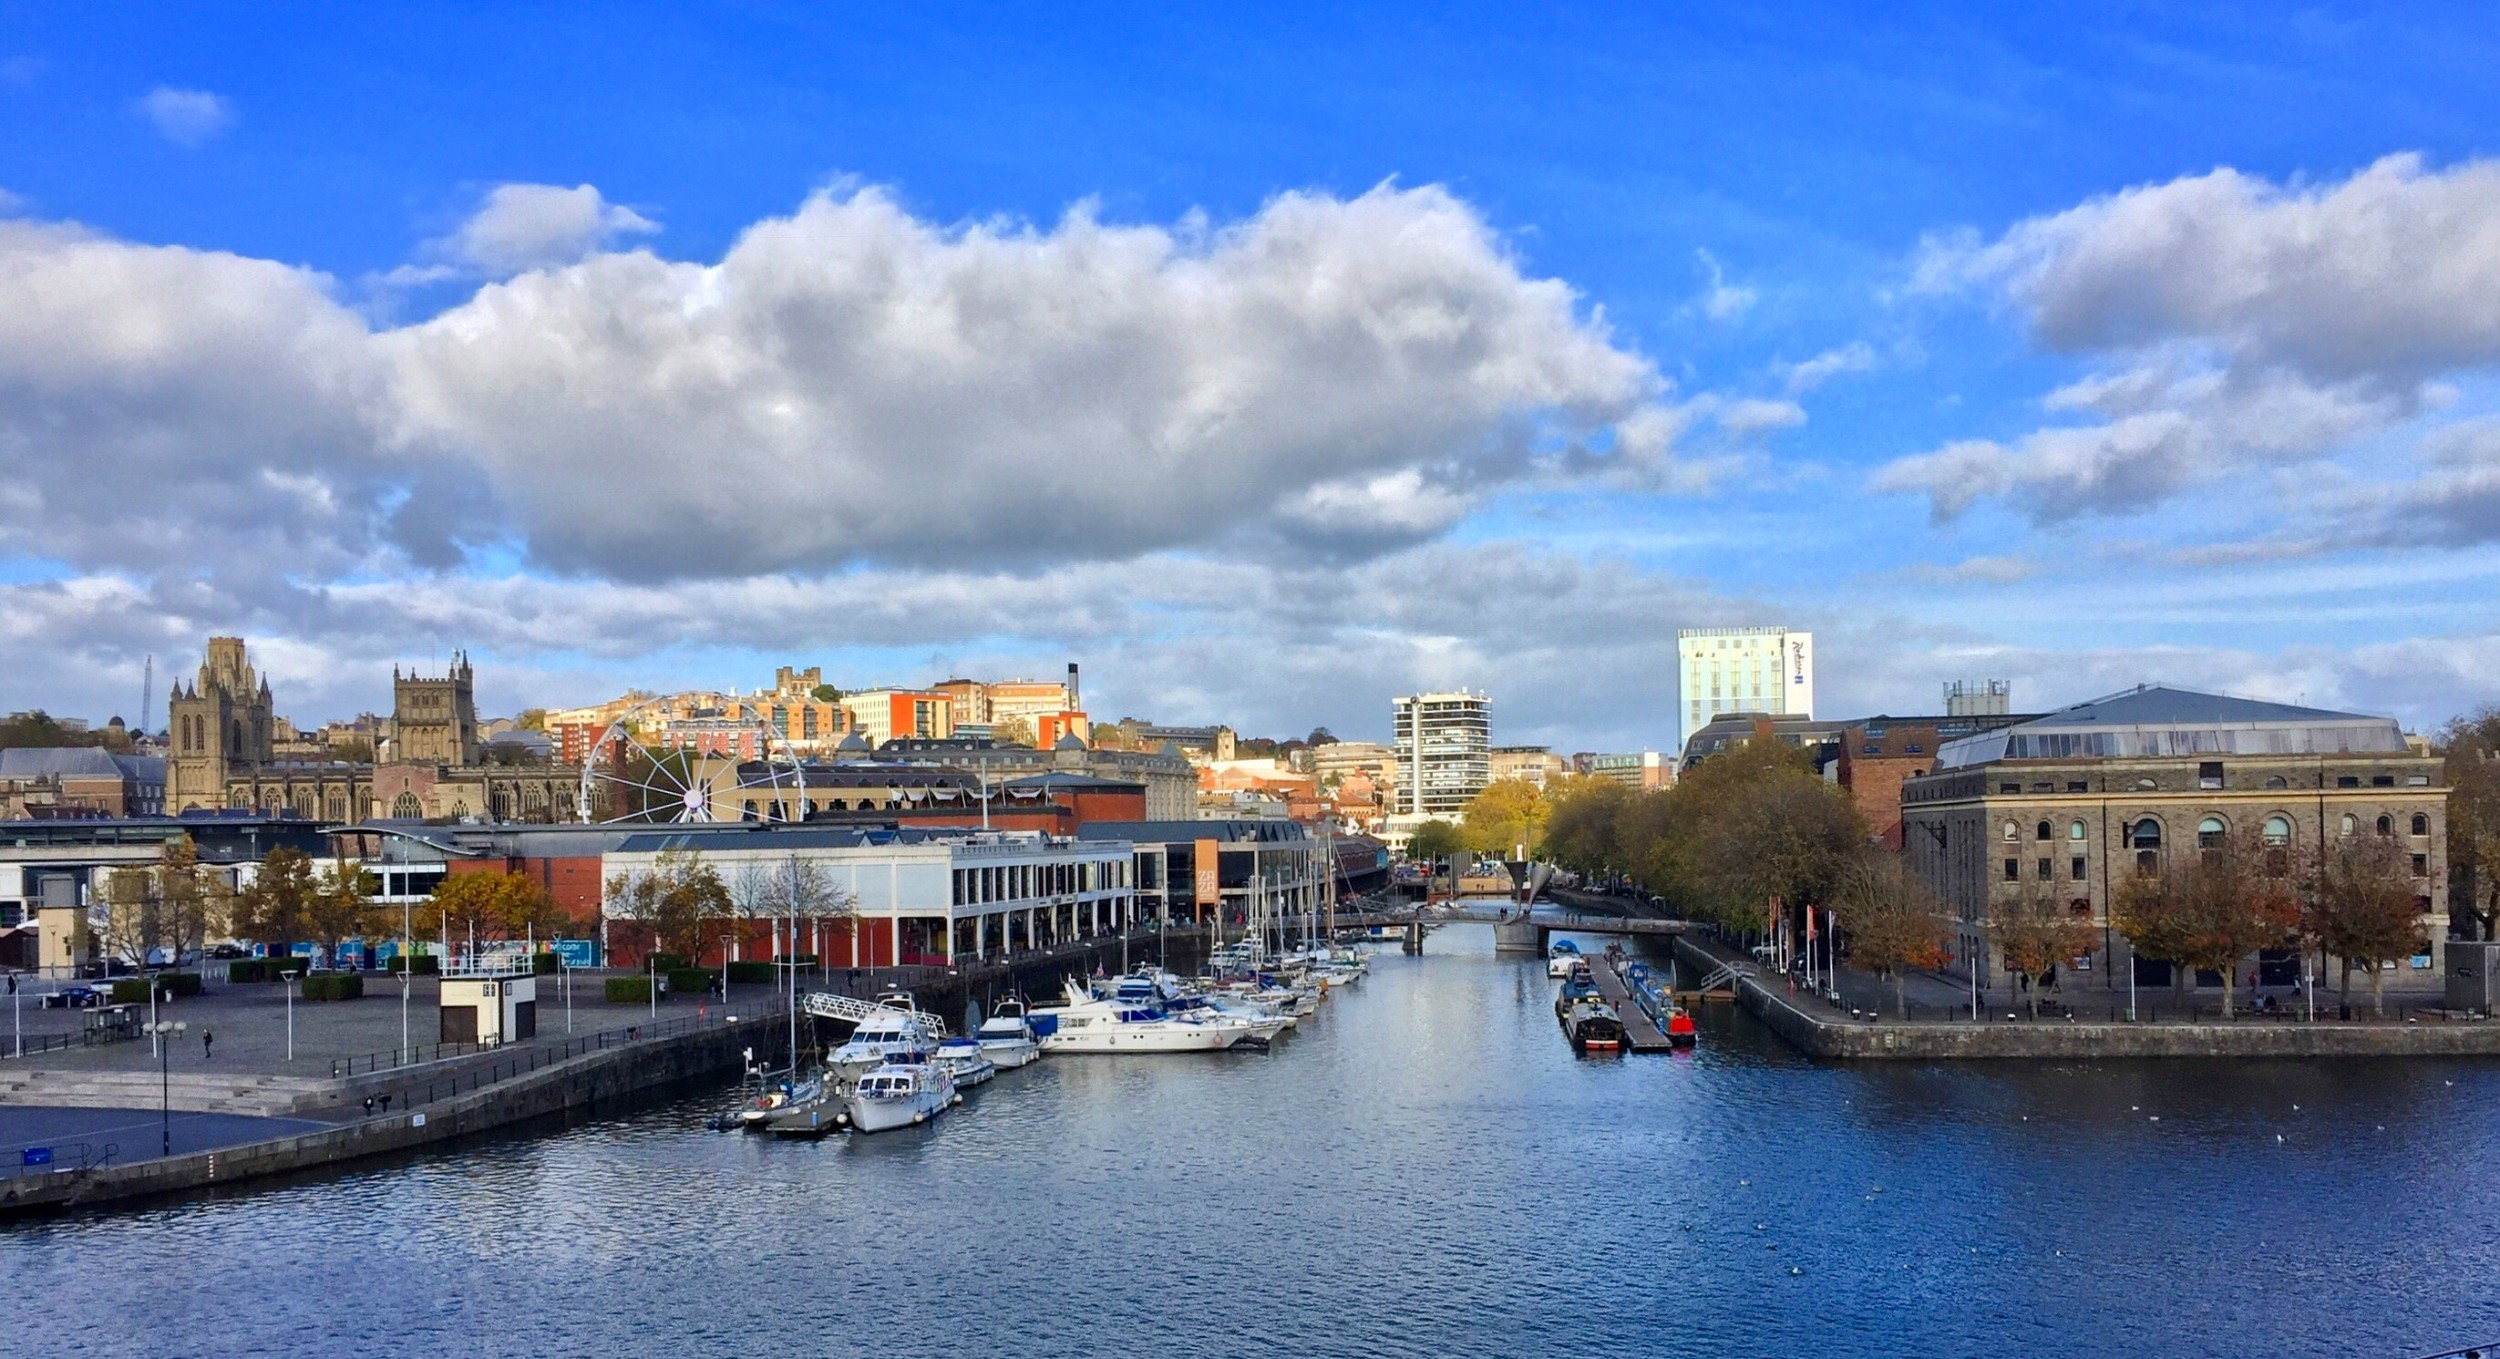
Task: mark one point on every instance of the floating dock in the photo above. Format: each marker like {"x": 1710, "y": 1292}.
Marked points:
{"x": 1640, "y": 1033}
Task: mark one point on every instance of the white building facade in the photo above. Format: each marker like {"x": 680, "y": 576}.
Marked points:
{"x": 1741, "y": 670}
{"x": 1445, "y": 751}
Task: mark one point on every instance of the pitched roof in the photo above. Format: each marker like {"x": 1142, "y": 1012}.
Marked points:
{"x": 78, "y": 762}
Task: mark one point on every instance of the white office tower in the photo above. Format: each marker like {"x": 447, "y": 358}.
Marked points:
{"x": 1741, "y": 670}
{"x": 1445, "y": 751}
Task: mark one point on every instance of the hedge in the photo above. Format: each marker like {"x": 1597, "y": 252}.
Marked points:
{"x": 751, "y": 972}
{"x": 334, "y": 986}
{"x": 426, "y": 964}
{"x": 635, "y": 989}
{"x": 687, "y": 981}
{"x": 292, "y": 965}
{"x": 669, "y": 962}
{"x": 248, "y": 970}
{"x": 180, "y": 983}
{"x": 543, "y": 964}
{"x": 130, "y": 991}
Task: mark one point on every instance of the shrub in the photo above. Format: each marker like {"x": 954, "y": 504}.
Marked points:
{"x": 668, "y": 962}
{"x": 130, "y": 991}
{"x": 334, "y": 986}
{"x": 180, "y": 983}
{"x": 424, "y": 964}
{"x": 289, "y": 965}
{"x": 745, "y": 973}
{"x": 686, "y": 981}
{"x": 544, "y": 964}
{"x": 634, "y": 989}
{"x": 248, "y": 970}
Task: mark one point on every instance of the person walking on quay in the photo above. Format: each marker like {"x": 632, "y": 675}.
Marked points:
{"x": 208, "y": 1042}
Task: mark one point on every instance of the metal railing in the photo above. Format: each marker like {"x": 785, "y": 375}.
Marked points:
{"x": 606, "y": 1038}
{"x": 42, "y": 1042}
{"x": 530, "y": 1057}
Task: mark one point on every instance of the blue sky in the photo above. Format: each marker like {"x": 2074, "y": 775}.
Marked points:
{"x": 1983, "y": 343}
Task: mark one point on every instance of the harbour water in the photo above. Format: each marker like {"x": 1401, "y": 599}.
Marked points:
{"x": 1424, "y": 1169}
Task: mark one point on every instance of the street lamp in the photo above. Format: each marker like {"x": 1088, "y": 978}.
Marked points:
{"x": 165, "y": 1032}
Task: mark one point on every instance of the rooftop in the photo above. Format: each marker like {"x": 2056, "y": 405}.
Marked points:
{"x": 2156, "y": 721}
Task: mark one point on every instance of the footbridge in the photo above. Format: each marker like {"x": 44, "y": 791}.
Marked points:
{"x": 1514, "y": 930}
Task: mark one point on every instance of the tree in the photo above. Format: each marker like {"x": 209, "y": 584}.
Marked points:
{"x": 2472, "y": 748}
{"x": 2209, "y": 909}
{"x": 497, "y": 906}
{"x": 2362, "y": 906}
{"x": 677, "y": 899}
{"x": 39, "y": 728}
{"x": 1783, "y": 837}
{"x": 2034, "y": 931}
{"x": 825, "y": 693}
{"x": 1434, "y": 841}
{"x": 277, "y": 908}
{"x": 170, "y": 905}
{"x": 1890, "y": 921}
{"x": 340, "y": 907}
{"x": 1506, "y": 816}
{"x": 531, "y": 719}
{"x": 1320, "y": 736}
{"x": 1585, "y": 828}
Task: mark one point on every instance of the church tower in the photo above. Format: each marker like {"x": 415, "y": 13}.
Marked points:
{"x": 434, "y": 721}
{"x": 222, "y": 724}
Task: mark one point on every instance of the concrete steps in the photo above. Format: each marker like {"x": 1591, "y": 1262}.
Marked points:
{"x": 248, "y": 1094}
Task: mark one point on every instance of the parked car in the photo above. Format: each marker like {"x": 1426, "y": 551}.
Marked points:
{"x": 74, "y": 998}
{"x": 228, "y": 952}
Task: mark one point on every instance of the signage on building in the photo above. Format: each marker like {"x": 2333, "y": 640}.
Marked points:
{"x": 36, "y": 1156}
{"x": 1209, "y": 887}
{"x": 1796, "y": 662}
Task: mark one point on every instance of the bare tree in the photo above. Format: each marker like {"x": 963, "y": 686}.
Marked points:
{"x": 1890, "y": 920}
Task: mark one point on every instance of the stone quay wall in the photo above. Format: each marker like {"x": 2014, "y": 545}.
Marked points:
{"x": 2050, "y": 1040}
{"x": 575, "y": 1083}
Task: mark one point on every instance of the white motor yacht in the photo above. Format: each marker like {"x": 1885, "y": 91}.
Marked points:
{"x": 1006, "y": 1037}
{"x": 899, "y": 1095}
{"x": 965, "y": 1061}
{"x": 1086, "y": 1024}
{"x": 1560, "y": 957}
{"x": 887, "y": 1035}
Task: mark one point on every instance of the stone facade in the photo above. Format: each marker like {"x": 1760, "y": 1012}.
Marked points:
{"x": 1980, "y": 834}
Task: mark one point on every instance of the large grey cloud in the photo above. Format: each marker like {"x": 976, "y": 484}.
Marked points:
{"x": 2237, "y": 324}
{"x": 848, "y": 385}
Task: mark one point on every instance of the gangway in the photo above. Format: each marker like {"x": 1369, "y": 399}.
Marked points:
{"x": 852, "y": 1010}
{"x": 1726, "y": 975}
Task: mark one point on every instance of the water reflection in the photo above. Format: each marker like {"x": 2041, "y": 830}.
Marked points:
{"x": 1426, "y": 1169}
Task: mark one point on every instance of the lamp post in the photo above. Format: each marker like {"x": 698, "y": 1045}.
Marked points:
{"x": 290, "y": 985}
{"x": 165, "y": 1032}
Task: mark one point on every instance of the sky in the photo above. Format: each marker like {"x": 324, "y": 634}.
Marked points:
{"x": 1268, "y": 364}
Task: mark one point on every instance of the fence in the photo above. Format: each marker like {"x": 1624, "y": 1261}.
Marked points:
{"x": 1996, "y": 1011}
{"x": 42, "y": 1042}
{"x": 395, "y": 1058}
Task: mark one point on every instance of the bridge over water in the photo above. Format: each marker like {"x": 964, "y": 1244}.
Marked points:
{"x": 1514, "y": 930}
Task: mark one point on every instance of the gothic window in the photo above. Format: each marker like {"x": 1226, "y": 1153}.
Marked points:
{"x": 338, "y": 805}
{"x": 407, "y": 808}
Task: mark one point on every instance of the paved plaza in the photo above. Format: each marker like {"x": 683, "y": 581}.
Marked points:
{"x": 78, "y": 1138}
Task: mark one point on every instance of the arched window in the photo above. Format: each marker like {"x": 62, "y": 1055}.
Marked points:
{"x": 2210, "y": 832}
{"x": 2075, "y": 831}
{"x": 407, "y": 808}
{"x": 2044, "y": 833}
{"x": 2350, "y": 824}
{"x": 2278, "y": 830}
{"x": 2421, "y": 823}
{"x": 2386, "y": 825}
{"x": 338, "y": 805}
{"x": 2277, "y": 781}
{"x": 2145, "y": 838}
{"x": 2012, "y": 832}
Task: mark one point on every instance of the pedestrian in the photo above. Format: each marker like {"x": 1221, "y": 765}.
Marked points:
{"x": 368, "y": 1106}
{"x": 208, "y": 1044}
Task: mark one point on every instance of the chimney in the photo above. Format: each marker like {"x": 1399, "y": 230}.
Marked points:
{"x": 1074, "y": 703}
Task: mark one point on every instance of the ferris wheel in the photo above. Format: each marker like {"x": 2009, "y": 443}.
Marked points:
{"x": 714, "y": 769}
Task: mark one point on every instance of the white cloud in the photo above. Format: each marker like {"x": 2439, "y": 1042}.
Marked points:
{"x": 847, "y": 385}
{"x": 852, "y": 384}
{"x": 519, "y": 227}
{"x": 2242, "y": 327}
{"x": 186, "y": 117}
{"x": 1754, "y": 415}
{"x": 1720, "y": 299}
{"x": 1857, "y": 356}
